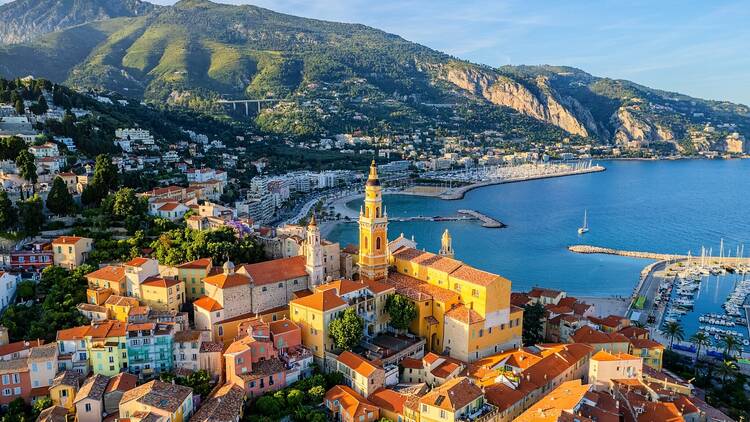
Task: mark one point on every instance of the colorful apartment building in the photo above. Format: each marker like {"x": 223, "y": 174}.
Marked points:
{"x": 360, "y": 374}
{"x": 64, "y": 388}
{"x": 456, "y": 400}
{"x": 110, "y": 277}
{"x": 192, "y": 275}
{"x": 346, "y": 405}
{"x": 611, "y": 342}
{"x": 105, "y": 342}
{"x": 163, "y": 293}
{"x": 70, "y": 251}
{"x": 149, "y": 348}
{"x": 605, "y": 367}
{"x": 119, "y": 307}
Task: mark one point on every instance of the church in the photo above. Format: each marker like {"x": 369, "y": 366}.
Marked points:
{"x": 463, "y": 312}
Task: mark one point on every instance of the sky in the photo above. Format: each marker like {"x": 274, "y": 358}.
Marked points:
{"x": 699, "y": 48}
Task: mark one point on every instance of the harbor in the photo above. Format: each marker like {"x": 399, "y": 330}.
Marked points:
{"x": 707, "y": 294}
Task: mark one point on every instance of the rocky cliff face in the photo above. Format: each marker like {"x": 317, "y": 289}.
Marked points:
{"x": 631, "y": 127}
{"x": 544, "y": 104}
{"x": 23, "y": 20}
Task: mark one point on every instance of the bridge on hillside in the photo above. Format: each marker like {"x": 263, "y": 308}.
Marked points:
{"x": 247, "y": 103}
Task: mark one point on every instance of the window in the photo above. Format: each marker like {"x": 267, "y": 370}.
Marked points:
{"x": 6, "y": 379}
{"x": 6, "y": 391}
{"x": 442, "y": 414}
{"x": 16, "y": 379}
{"x": 281, "y": 285}
{"x": 221, "y": 330}
{"x": 87, "y": 407}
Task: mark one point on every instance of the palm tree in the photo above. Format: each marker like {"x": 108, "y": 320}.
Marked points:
{"x": 727, "y": 369}
{"x": 730, "y": 344}
{"x": 700, "y": 340}
{"x": 674, "y": 331}
{"x": 639, "y": 324}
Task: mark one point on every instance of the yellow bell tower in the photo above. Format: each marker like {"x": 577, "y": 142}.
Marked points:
{"x": 373, "y": 231}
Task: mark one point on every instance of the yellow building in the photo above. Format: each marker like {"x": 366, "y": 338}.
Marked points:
{"x": 192, "y": 274}
{"x": 64, "y": 387}
{"x": 651, "y": 351}
{"x": 110, "y": 277}
{"x": 157, "y": 400}
{"x": 457, "y": 399}
{"x": 70, "y": 251}
{"x": 105, "y": 343}
{"x": 119, "y": 307}
{"x": 373, "y": 231}
{"x": 163, "y": 293}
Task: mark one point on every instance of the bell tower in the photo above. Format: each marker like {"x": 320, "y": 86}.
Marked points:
{"x": 446, "y": 245}
{"x": 314, "y": 254}
{"x": 373, "y": 231}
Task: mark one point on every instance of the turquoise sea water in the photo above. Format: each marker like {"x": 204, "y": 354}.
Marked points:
{"x": 656, "y": 206}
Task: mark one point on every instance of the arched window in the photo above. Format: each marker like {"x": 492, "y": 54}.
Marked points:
{"x": 377, "y": 212}
{"x": 377, "y": 243}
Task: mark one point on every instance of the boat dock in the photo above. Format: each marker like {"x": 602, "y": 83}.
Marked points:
{"x": 587, "y": 249}
{"x": 487, "y": 222}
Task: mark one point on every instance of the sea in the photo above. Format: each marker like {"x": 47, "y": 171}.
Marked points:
{"x": 655, "y": 206}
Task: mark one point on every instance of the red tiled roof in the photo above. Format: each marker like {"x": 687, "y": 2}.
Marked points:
{"x": 320, "y": 301}
{"x": 196, "y": 264}
{"x": 275, "y": 270}
{"x": 162, "y": 282}
{"x": 205, "y": 302}
{"x": 109, "y": 273}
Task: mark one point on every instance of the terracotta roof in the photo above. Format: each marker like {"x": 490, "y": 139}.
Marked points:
{"x": 107, "y": 329}
{"x": 419, "y": 290}
{"x": 44, "y": 352}
{"x": 538, "y": 292}
{"x": 53, "y": 414}
{"x": 18, "y": 346}
{"x": 275, "y": 270}
{"x": 187, "y": 335}
{"x": 212, "y": 346}
{"x": 604, "y": 356}
{"x": 564, "y": 398}
{"x": 342, "y": 286}
{"x": 282, "y": 326}
{"x": 378, "y": 287}
{"x": 68, "y": 378}
{"x": 136, "y": 262}
{"x": 473, "y": 275}
{"x": 463, "y": 314}
{"x": 453, "y": 395}
{"x": 116, "y": 300}
{"x": 502, "y": 396}
{"x": 224, "y": 406}
{"x": 388, "y": 399}
{"x": 639, "y": 343}
{"x": 109, "y": 273}
{"x": 162, "y": 282}
{"x": 123, "y": 381}
{"x": 75, "y": 333}
{"x": 412, "y": 363}
{"x": 357, "y": 363}
{"x": 196, "y": 264}
{"x": 227, "y": 280}
{"x": 89, "y": 307}
{"x": 589, "y": 335}
{"x": 519, "y": 299}
{"x": 321, "y": 301}
{"x": 169, "y": 206}
{"x": 67, "y": 240}
{"x": 14, "y": 365}
{"x": 446, "y": 369}
{"x": 205, "y": 302}
{"x": 632, "y": 332}
{"x": 350, "y": 401}
{"x": 611, "y": 321}
{"x": 660, "y": 411}
{"x": 92, "y": 388}
{"x": 158, "y": 394}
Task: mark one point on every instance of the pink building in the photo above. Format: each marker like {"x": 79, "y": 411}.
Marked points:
{"x": 16, "y": 381}
{"x": 266, "y": 357}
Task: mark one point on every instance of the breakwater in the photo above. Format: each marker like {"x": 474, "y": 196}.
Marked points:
{"x": 587, "y": 249}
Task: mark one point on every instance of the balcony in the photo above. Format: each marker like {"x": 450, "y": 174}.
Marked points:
{"x": 484, "y": 413}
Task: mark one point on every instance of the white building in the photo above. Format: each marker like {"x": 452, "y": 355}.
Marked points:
{"x": 8, "y": 284}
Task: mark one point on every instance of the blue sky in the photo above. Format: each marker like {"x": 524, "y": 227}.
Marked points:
{"x": 700, "y": 48}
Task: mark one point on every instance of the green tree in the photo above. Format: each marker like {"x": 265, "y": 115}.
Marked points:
{"x": 26, "y": 290}
{"x": 125, "y": 203}
{"x": 59, "y": 199}
{"x": 295, "y": 398}
{"x": 268, "y": 406}
{"x": 700, "y": 340}
{"x": 674, "y": 330}
{"x": 31, "y": 213}
{"x": 7, "y": 212}
{"x": 730, "y": 344}
{"x": 533, "y": 325}
{"x": 105, "y": 173}
{"x": 316, "y": 394}
{"x": 727, "y": 369}
{"x": 20, "y": 109}
{"x": 26, "y": 166}
{"x": 401, "y": 310}
{"x": 41, "y": 404}
{"x": 40, "y": 107}
{"x": 199, "y": 381}
{"x": 347, "y": 330}
{"x": 10, "y": 147}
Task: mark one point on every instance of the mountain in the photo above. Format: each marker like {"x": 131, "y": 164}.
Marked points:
{"x": 335, "y": 76}
{"x": 23, "y": 20}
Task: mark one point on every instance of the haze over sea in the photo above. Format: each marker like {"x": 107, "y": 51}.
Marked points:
{"x": 655, "y": 206}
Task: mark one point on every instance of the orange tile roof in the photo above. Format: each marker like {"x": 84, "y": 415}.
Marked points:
{"x": 463, "y": 314}
{"x": 502, "y": 396}
{"x": 196, "y": 264}
{"x": 162, "y": 282}
{"x": 136, "y": 262}
{"x": 276, "y": 270}
{"x": 109, "y": 273}
{"x": 416, "y": 289}
{"x": 473, "y": 275}
{"x": 632, "y": 332}
{"x": 357, "y": 363}
{"x": 589, "y": 335}
{"x": 321, "y": 301}
{"x": 107, "y": 329}
{"x": 205, "y": 302}
{"x": 18, "y": 346}
{"x": 75, "y": 333}
{"x": 378, "y": 287}
{"x": 66, "y": 240}
{"x": 564, "y": 398}
{"x": 453, "y": 395}
{"x": 122, "y": 382}
{"x": 116, "y": 300}
{"x": 351, "y": 402}
{"x": 431, "y": 358}
{"x": 604, "y": 356}
{"x": 412, "y": 363}
{"x": 227, "y": 280}
{"x": 282, "y": 326}
{"x": 342, "y": 286}
{"x": 445, "y": 369}
{"x": 660, "y": 411}
{"x": 388, "y": 399}
{"x": 642, "y": 343}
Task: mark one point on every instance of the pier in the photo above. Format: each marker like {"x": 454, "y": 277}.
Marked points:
{"x": 487, "y": 222}
{"x": 587, "y": 249}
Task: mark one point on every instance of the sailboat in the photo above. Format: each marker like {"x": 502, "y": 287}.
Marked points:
{"x": 585, "y": 228}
